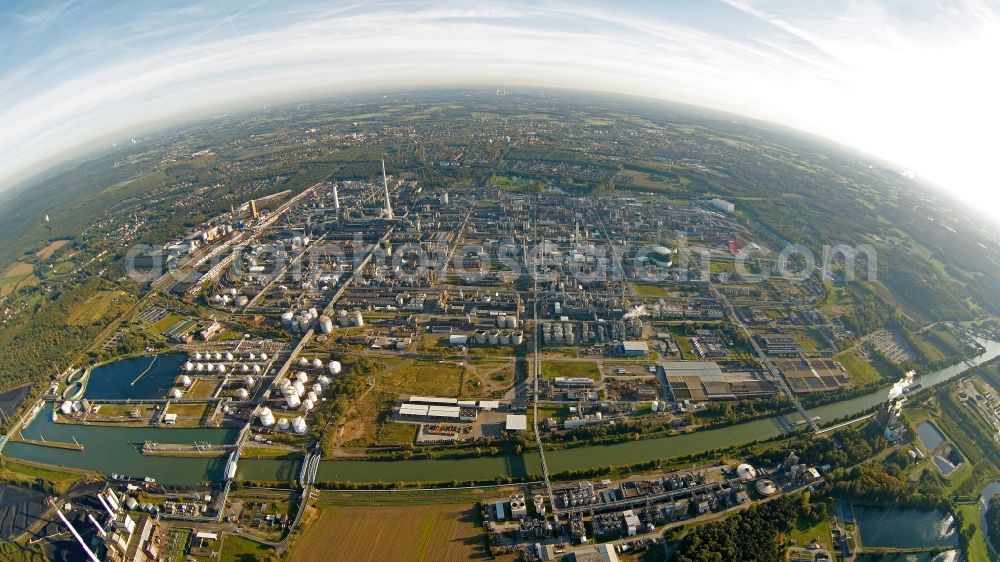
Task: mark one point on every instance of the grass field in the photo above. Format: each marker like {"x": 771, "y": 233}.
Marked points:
{"x": 92, "y": 309}
{"x": 429, "y": 532}
{"x": 425, "y": 378}
{"x": 977, "y": 545}
{"x": 650, "y": 290}
{"x": 553, "y": 369}
{"x": 238, "y": 549}
{"x": 859, "y": 371}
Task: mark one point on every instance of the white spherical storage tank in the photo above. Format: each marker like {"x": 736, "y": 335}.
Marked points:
{"x": 221, "y": 368}
{"x": 299, "y": 425}
{"x": 244, "y": 368}
{"x": 292, "y": 400}
{"x": 251, "y": 357}
{"x": 210, "y": 368}
{"x": 263, "y": 357}
{"x": 248, "y": 381}
{"x": 176, "y": 393}
{"x": 199, "y": 367}
{"x": 303, "y": 362}
{"x": 189, "y": 366}
{"x": 334, "y": 367}
{"x": 66, "y": 408}
{"x": 197, "y": 356}
{"x": 185, "y": 380}
{"x": 218, "y": 356}
{"x": 256, "y": 368}
{"x": 266, "y": 417}
{"x": 229, "y": 356}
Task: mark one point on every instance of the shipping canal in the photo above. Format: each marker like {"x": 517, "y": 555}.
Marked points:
{"x": 116, "y": 450}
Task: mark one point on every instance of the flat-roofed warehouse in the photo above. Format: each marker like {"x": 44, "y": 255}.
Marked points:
{"x": 812, "y": 375}
{"x": 701, "y": 381}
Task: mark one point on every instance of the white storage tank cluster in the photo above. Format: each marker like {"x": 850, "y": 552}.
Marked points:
{"x": 301, "y": 321}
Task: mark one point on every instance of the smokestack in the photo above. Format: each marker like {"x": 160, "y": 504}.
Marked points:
{"x": 385, "y": 184}
{"x": 336, "y": 200}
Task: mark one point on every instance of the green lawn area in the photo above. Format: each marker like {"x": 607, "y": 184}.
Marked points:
{"x": 425, "y": 378}
{"x": 860, "y": 371}
{"x": 977, "y": 545}
{"x": 803, "y": 535}
{"x": 553, "y": 369}
{"x": 650, "y": 290}
{"x": 239, "y": 549}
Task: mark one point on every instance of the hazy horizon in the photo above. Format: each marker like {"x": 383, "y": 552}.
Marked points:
{"x": 903, "y": 83}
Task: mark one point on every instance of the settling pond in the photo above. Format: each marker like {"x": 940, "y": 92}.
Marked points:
{"x": 895, "y": 527}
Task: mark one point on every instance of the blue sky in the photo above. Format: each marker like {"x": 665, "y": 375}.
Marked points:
{"x": 911, "y": 81}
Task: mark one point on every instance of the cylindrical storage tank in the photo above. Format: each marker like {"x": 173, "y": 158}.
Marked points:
{"x": 311, "y": 396}
{"x": 493, "y": 337}
{"x": 266, "y": 417}
{"x": 517, "y": 338}
{"x": 287, "y": 317}
{"x": 313, "y": 312}
{"x": 66, "y": 408}
{"x": 301, "y": 377}
{"x": 599, "y": 415}
{"x": 176, "y": 393}
{"x": 232, "y": 292}
{"x": 242, "y": 301}
{"x": 504, "y": 338}
{"x": 131, "y": 503}
{"x": 189, "y": 366}
{"x": 325, "y": 324}
{"x": 501, "y": 321}
{"x": 655, "y": 406}
{"x": 185, "y": 381}
{"x": 323, "y": 381}
{"x": 480, "y": 336}
{"x": 357, "y": 320}
{"x": 512, "y": 321}
{"x": 299, "y": 425}
{"x": 248, "y": 381}
{"x": 229, "y": 356}
{"x": 300, "y": 388}
{"x": 284, "y": 424}
{"x": 317, "y": 389}
{"x": 242, "y": 394}
{"x": 342, "y": 318}
{"x": 334, "y": 367}
{"x": 307, "y": 404}
{"x": 303, "y": 362}
{"x": 292, "y": 400}
{"x": 256, "y": 368}
{"x": 317, "y": 364}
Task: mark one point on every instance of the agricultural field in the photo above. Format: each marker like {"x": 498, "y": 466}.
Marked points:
{"x": 429, "y": 532}
{"x": 553, "y": 369}
{"x": 50, "y": 250}
{"x": 859, "y": 371}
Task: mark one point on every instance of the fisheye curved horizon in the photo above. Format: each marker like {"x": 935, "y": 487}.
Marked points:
{"x": 859, "y": 73}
